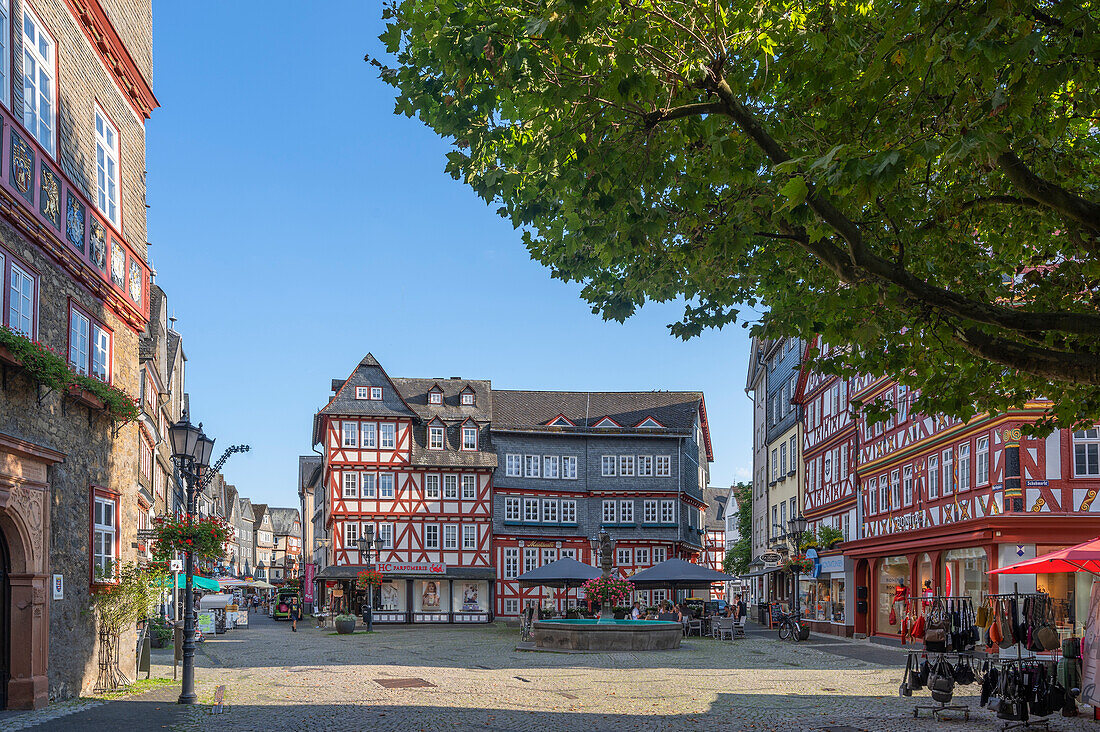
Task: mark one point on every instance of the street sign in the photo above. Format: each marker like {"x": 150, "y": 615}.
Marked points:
{"x": 176, "y": 565}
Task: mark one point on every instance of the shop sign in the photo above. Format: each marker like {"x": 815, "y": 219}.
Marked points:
{"x": 412, "y": 567}
{"x": 770, "y": 559}
{"x": 307, "y": 582}
{"x": 832, "y": 565}
{"x": 206, "y": 622}
{"x": 907, "y": 522}
{"x": 1037, "y": 483}
{"x": 541, "y": 545}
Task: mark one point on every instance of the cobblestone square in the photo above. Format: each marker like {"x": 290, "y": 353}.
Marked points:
{"x": 313, "y": 680}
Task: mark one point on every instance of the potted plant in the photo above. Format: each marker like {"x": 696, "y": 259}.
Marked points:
{"x": 345, "y": 624}
{"x": 808, "y": 540}
{"x": 829, "y": 536}
{"x": 160, "y": 631}
{"x": 610, "y": 592}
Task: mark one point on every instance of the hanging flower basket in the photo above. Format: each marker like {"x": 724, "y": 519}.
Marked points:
{"x": 798, "y": 563}
{"x": 609, "y": 591}
{"x": 369, "y": 580}
{"x": 204, "y": 538}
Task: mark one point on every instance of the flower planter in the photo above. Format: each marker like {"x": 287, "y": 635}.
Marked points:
{"x": 86, "y": 398}
{"x": 345, "y": 627}
{"x": 6, "y": 357}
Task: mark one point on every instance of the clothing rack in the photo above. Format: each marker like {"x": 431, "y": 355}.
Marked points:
{"x": 1016, "y": 595}
{"x": 938, "y": 708}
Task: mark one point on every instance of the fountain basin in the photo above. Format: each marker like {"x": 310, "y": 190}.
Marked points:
{"x": 607, "y": 635}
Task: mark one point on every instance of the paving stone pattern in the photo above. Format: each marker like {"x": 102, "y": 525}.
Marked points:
{"x": 311, "y": 680}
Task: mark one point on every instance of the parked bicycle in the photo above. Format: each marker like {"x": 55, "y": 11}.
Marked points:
{"x": 791, "y": 628}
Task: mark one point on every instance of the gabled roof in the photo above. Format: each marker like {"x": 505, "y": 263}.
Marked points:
{"x": 258, "y": 511}
{"x": 607, "y": 421}
{"x": 714, "y": 518}
{"x": 282, "y": 521}
{"x": 246, "y": 510}
{"x": 343, "y": 403}
{"x": 309, "y": 471}
{"x": 649, "y": 422}
{"x": 415, "y": 392}
{"x": 560, "y": 421}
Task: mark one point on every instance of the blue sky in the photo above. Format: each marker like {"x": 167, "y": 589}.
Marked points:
{"x": 296, "y": 223}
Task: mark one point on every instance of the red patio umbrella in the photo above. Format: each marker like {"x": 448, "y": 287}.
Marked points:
{"x": 1081, "y": 558}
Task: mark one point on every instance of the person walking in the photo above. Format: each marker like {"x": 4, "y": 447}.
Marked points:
{"x": 292, "y": 605}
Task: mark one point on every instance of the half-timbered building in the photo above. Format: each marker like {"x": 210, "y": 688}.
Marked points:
{"x": 409, "y": 461}
{"x": 572, "y": 464}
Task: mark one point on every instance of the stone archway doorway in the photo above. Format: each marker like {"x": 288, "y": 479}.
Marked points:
{"x": 5, "y": 621}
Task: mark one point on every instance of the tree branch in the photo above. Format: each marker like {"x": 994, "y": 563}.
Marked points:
{"x": 1030, "y": 358}
{"x": 656, "y": 117}
{"x": 1049, "y": 194}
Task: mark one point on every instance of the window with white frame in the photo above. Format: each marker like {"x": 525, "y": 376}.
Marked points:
{"x": 775, "y": 464}
{"x": 351, "y": 434}
{"x": 5, "y": 53}
{"x": 883, "y": 493}
{"x": 468, "y": 399}
{"x": 792, "y": 453}
{"x": 933, "y": 477}
{"x": 469, "y": 438}
{"x": 22, "y": 296}
{"x": 783, "y": 458}
{"x": 431, "y": 486}
{"x": 530, "y": 559}
{"x": 623, "y": 557}
{"x": 872, "y": 493}
{"x": 431, "y": 536}
{"x": 948, "y": 471}
{"x": 895, "y": 488}
{"x": 79, "y": 340}
{"x": 1086, "y": 452}
{"x": 106, "y": 161}
{"x": 664, "y": 466}
{"x": 610, "y": 515}
{"x": 513, "y": 465}
{"x": 550, "y": 466}
{"x": 907, "y": 485}
{"x": 549, "y": 510}
{"x": 385, "y": 485}
{"x": 981, "y": 461}
{"x": 531, "y": 509}
{"x": 607, "y": 465}
{"x": 39, "y": 81}
{"x": 450, "y": 486}
{"x": 964, "y": 466}
{"x": 660, "y": 554}
{"x": 626, "y": 512}
{"x": 668, "y": 512}
{"x": 104, "y": 535}
{"x": 569, "y": 511}
{"x": 511, "y": 509}
{"x": 649, "y": 512}
{"x": 435, "y": 397}
{"x": 568, "y": 553}
{"x": 469, "y": 487}
{"x": 435, "y": 437}
{"x": 511, "y": 563}
{"x": 386, "y": 532}
{"x": 368, "y": 434}
{"x": 366, "y": 487}
{"x": 531, "y": 466}
{"x": 645, "y": 466}
{"x": 376, "y": 393}
{"x": 626, "y": 465}
{"x": 903, "y": 403}
{"x": 511, "y": 606}
{"x": 361, "y": 392}
{"x": 351, "y": 484}
{"x": 351, "y": 534}
{"x": 469, "y": 536}
{"x": 641, "y": 556}
{"x": 389, "y": 436}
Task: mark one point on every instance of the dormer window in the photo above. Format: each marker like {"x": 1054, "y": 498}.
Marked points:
{"x": 607, "y": 422}
{"x": 376, "y": 393}
{"x": 467, "y": 398}
{"x": 435, "y": 437}
{"x": 561, "y": 421}
{"x": 469, "y": 437}
{"x": 649, "y": 422}
{"x": 362, "y": 392}
{"x": 435, "y": 397}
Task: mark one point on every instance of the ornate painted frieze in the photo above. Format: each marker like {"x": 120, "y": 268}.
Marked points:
{"x": 22, "y": 167}
{"x": 49, "y": 196}
{"x": 74, "y": 226}
{"x": 99, "y": 245}
{"x": 118, "y": 265}
{"x": 135, "y": 282}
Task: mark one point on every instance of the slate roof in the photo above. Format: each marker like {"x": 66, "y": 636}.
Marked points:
{"x": 150, "y": 340}
{"x": 715, "y": 517}
{"x": 368, "y": 373}
{"x": 246, "y": 510}
{"x": 532, "y": 410}
{"x": 258, "y": 511}
{"x": 282, "y": 521}
{"x": 309, "y": 469}
{"x": 416, "y": 391}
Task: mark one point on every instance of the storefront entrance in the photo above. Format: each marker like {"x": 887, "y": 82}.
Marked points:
{"x": 5, "y": 622}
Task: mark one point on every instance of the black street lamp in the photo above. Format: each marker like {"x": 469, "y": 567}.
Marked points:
{"x": 797, "y": 526}
{"x": 191, "y": 451}
{"x": 368, "y": 544}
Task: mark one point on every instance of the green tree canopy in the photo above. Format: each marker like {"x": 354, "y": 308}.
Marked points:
{"x": 916, "y": 181}
{"x": 739, "y": 556}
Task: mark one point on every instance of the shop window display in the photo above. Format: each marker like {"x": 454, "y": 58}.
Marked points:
{"x": 822, "y": 600}
{"x": 837, "y": 590}
{"x": 891, "y": 572}
{"x": 964, "y": 573}
{"x": 471, "y": 596}
{"x": 1069, "y": 593}
{"x": 925, "y": 574}
{"x": 431, "y": 596}
{"x": 392, "y": 596}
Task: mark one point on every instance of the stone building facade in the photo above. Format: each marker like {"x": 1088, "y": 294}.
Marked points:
{"x": 76, "y": 279}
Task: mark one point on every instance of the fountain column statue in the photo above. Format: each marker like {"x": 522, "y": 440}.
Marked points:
{"x": 606, "y": 548}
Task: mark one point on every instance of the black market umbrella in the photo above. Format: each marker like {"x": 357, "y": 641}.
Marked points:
{"x": 676, "y": 574}
{"x": 567, "y": 572}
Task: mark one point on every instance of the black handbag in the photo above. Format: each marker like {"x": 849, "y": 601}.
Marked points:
{"x": 905, "y": 689}
{"x": 1012, "y": 710}
{"x": 941, "y": 682}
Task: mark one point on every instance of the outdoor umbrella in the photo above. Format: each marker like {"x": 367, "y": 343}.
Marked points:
{"x": 261, "y": 585}
{"x": 231, "y": 582}
{"x": 677, "y": 574}
{"x": 200, "y": 583}
{"x": 567, "y": 572}
{"x": 1081, "y": 558}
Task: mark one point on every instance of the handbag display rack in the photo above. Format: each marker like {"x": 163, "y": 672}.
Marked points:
{"x": 1006, "y": 628}
{"x": 937, "y": 672}
{"x": 947, "y": 627}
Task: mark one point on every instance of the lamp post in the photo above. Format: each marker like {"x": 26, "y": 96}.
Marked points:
{"x": 368, "y": 544}
{"x": 191, "y": 451}
{"x": 797, "y": 525}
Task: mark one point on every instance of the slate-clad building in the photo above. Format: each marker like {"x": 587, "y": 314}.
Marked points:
{"x": 571, "y": 464}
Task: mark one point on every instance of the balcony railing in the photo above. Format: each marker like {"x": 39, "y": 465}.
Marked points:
{"x": 54, "y": 213}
